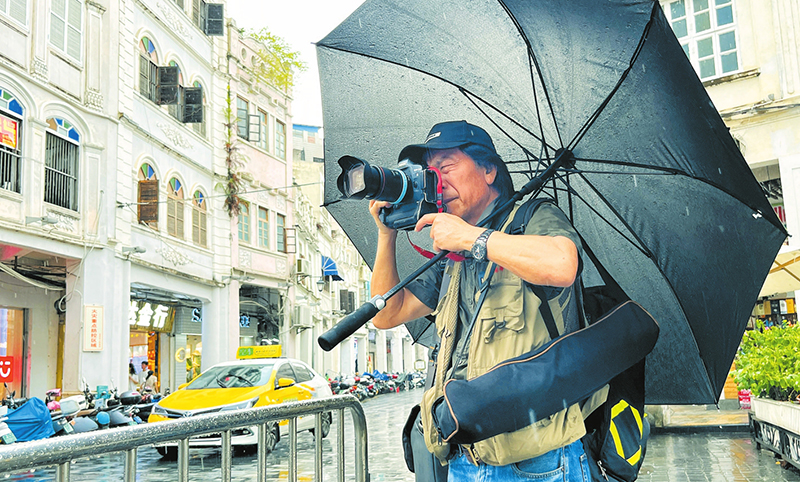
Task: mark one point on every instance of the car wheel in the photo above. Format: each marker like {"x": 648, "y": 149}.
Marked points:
{"x": 327, "y": 419}
{"x": 273, "y": 435}
{"x": 168, "y": 453}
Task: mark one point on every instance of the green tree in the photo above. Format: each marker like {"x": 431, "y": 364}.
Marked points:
{"x": 278, "y": 63}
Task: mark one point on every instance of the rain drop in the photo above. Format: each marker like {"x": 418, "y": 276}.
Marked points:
{"x": 721, "y": 229}
{"x": 359, "y": 23}
{"x": 687, "y": 210}
{"x": 635, "y": 183}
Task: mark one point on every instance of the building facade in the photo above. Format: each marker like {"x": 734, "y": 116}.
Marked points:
{"x": 58, "y": 145}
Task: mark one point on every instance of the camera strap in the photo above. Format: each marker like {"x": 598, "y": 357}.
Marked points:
{"x": 424, "y": 252}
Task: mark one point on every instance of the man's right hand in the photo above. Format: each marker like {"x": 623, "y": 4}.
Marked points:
{"x": 374, "y": 209}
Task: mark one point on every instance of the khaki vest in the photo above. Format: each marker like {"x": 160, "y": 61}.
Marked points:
{"x": 508, "y": 325}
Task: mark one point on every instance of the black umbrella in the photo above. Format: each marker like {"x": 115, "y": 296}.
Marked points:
{"x": 659, "y": 190}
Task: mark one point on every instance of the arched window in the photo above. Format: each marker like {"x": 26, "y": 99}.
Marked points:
{"x": 175, "y": 208}
{"x": 176, "y": 110}
{"x": 61, "y": 164}
{"x": 244, "y": 222}
{"x": 199, "y": 220}
{"x": 148, "y": 69}
{"x": 200, "y": 127}
{"x": 148, "y": 196}
{"x": 11, "y": 115}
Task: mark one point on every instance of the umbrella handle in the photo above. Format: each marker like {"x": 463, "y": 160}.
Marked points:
{"x": 351, "y": 323}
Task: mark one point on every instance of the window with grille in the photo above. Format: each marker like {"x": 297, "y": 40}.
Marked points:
{"x": 280, "y": 139}
{"x": 242, "y": 109}
{"x": 148, "y": 69}
{"x": 280, "y": 223}
{"x": 66, "y": 27}
{"x": 16, "y": 9}
{"x": 61, "y": 163}
{"x": 263, "y": 228}
{"x": 706, "y": 30}
{"x": 148, "y": 196}
{"x": 175, "y": 208}
{"x": 11, "y": 115}
{"x": 199, "y": 220}
{"x": 244, "y": 222}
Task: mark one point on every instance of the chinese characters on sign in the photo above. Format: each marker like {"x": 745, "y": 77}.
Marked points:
{"x": 6, "y": 369}
{"x": 8, "y": 132}
{"x": 93, "y": 328}
{"x": 244, "y": 321}
{"x": 147, "y": 316}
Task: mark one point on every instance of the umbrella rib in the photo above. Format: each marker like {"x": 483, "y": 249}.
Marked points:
{"x": 636, "y": 242}
{"x": 514, "y": 121}
{"x": 582, "y": 132}
{"x": 532, "y": 58}
{"x": 469, "y": 95}
{"x": 650, "y": 255}
{"x": 666, "y": 170}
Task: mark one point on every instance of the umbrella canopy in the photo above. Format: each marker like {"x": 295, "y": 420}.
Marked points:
{"x": 784, "y": 275}
{"x": 659, "y": 190}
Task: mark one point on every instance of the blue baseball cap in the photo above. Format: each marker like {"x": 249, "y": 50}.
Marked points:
{"x": 447, "y": 135}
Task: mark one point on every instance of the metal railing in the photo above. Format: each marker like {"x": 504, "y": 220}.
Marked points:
{"x": 60, "y": 451}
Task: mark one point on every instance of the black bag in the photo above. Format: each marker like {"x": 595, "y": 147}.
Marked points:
{"x": 419, "y": 460}
{"x": 617, "y": 432}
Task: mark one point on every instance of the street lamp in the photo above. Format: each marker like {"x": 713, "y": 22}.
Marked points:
{"x": 321, "y": 284}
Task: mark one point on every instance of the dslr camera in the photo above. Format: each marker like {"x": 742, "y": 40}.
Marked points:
{"x": 413, "y": 190}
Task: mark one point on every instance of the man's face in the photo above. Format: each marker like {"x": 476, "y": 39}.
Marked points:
{"x": 466, "y": 186}
{"x": 144, "y": 365}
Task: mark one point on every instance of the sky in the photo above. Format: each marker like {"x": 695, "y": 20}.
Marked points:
{"x": 300, "y": 23}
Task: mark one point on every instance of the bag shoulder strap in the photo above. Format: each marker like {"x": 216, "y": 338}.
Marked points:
{"x": 517, "y": 226}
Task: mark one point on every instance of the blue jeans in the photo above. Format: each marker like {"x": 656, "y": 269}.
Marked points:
{"x": 565, "y": 464}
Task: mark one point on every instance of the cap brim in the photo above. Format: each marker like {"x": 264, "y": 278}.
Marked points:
{"x": 416, "y": 152}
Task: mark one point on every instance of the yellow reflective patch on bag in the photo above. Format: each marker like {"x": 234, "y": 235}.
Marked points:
{"x": 618, "y": 410}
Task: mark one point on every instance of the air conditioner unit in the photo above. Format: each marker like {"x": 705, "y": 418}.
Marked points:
{"x": 302, "y": 318}
{"x": 303, "y": 267}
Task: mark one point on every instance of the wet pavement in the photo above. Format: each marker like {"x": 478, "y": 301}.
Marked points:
{"x": 692, "y": 457}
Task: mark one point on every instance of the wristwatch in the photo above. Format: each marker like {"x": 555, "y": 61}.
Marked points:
{"x": 479, "y": 246}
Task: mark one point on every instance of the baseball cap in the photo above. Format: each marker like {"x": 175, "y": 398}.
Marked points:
{"x": 447, "y": 135}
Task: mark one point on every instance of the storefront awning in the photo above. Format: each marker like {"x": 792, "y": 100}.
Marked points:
{"x": 329, "y": 269}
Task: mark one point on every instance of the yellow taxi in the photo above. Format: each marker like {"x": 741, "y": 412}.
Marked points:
{"x": 260, "y": 376}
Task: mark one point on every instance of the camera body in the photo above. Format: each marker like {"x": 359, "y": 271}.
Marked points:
{"x": 413, "y": 190}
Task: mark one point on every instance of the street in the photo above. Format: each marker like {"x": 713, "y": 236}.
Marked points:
{"x": 670, "y": 458}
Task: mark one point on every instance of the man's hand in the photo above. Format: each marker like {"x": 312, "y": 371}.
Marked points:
{"x": 374, "y": 209}
{"x": 448, "y": 232}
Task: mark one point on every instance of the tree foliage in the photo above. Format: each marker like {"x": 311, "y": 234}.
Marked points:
{"x": 278, "y": 63}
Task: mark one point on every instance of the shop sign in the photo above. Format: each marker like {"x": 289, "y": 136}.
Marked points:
{"x": 8, "y": 131}
{"x": 197, "y": 315}
{"x": 244, "y": 321}
{"x": 7, "y": 369}
{"x": 92, "y": 328}
{"x": 148, "y": 316}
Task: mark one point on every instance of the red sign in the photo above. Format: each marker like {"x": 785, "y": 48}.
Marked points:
{"x": 6, "y": 369}
{"x": 8, "y": 131}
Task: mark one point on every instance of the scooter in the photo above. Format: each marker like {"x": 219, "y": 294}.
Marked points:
{"x": 6, "y": 435}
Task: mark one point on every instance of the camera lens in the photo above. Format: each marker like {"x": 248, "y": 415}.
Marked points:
{"x": 360, "y": 180}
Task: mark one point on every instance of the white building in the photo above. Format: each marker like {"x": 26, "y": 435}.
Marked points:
{"x": 58, "y": 146}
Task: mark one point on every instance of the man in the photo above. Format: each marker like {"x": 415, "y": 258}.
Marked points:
{"x": 475, "y": 180}
{"x": 143, "y": 374}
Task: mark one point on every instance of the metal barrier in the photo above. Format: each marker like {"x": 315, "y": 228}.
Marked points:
{"x": 60, "y": 451}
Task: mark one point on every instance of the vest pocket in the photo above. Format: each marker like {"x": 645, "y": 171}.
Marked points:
{"x": 502, "y": 313}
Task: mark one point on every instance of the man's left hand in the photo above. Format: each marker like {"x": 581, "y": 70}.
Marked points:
{"x": 449, "y": 232}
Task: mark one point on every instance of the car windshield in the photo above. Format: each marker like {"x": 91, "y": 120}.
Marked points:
{"x": 233, "y": 376}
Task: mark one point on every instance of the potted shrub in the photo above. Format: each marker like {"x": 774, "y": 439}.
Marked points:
{"x": 768, "y": 364}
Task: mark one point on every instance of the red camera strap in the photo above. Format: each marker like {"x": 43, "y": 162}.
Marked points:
{"x": 424, "y": 252}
